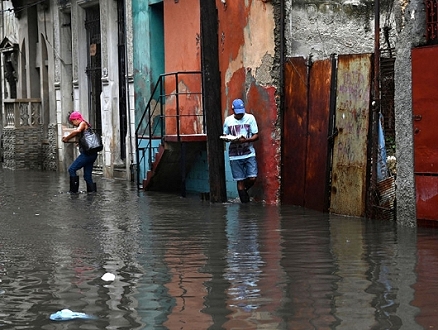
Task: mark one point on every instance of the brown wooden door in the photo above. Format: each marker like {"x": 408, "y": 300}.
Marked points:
{"x": 425, "y": 118}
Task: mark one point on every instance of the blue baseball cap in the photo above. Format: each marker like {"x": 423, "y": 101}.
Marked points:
{"x": 238, "y": 106}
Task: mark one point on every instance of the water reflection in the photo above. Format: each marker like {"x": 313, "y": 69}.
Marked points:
{"x": 426, "y": 287}
{"x": 252, "y": 267}
{"x": 181, "y": 263}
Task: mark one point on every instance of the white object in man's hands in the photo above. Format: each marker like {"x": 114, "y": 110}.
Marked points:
{"x": 229, "y": 138}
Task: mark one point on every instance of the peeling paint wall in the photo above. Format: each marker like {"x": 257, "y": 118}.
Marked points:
{"x": 249, "y": 66}
{"x": 141, "y": 55}
{"x": 248, "y": 60}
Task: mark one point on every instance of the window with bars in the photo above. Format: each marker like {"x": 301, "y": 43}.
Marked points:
{"x": 431, "y": 21}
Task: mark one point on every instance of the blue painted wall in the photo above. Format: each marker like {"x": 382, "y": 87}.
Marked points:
{"x": 144, "y": 155}
{"x": 197, "y": 181}
{"x": 148, "y": 64}
{"x": 148, "y": 50}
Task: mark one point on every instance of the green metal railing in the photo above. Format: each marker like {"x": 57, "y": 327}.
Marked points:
{"x": 151, "y": 125}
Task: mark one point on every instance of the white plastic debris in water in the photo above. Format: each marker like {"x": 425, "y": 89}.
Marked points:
{"x": 66, "y": 315}
{"x": 108, "y": 277}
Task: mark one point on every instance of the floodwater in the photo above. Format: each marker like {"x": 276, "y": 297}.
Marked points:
{"x": 183, "y": 263}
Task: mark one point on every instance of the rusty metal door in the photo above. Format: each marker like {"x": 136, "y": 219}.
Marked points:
{"x": 294, "y": 132}
{"x": 349, "y": 167}
{"x": 317, "y": 162}
{"x": 306, "y": 122}
{"x": 425, "y": 115}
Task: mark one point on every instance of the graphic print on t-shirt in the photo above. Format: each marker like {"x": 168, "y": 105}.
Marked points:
{"x": 240, "y": 149}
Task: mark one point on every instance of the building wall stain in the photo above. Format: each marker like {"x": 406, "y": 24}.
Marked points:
{"x": 247, "y": 57}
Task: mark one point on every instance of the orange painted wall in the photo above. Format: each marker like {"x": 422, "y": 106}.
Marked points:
{"x": 181, "y": 35}
{"x": 182, "y": 50}
{"x": 245, "y": 30}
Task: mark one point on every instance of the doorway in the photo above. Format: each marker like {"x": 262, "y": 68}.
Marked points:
{"x": 94, "y": 66}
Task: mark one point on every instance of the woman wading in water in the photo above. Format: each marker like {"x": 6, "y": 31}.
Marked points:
{"x": 84, "y": 160}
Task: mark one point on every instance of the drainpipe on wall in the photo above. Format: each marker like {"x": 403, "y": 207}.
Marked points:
{"x": 128, "y": 101}
{"x": 3, "y": 20}
{"x": 211, "y": 86}
{"x": 375, "y": 110}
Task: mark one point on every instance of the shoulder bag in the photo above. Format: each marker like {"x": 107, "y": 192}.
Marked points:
{"x": 91, "y": 141}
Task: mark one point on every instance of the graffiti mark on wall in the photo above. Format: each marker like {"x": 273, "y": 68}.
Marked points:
{"x": 352, "y": 110}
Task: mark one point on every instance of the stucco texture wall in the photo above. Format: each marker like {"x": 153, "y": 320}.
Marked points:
{"x": 323, "y": 28}
{"x": 246, "y": 58}
{"x": 411, "y": 27}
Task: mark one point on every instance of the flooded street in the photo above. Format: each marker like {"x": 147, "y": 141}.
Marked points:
{"x": 183, "y": 263}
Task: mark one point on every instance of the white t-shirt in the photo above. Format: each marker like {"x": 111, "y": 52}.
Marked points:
{"x": 246, "y": 127}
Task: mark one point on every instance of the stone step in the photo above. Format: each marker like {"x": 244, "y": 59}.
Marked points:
{"x": 120, "y": 173}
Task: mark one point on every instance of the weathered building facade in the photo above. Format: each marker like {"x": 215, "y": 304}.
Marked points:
{"x": 95, "y": 77}
{"x": 104, "y": 58}
{"x": 249, "y": 65}
{"x": 338, "y": 103}
{"x": 66, "y": 56}
{"x": 28, "y": 133}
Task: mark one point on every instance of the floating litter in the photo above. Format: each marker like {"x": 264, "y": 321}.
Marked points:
{"x": 108, "y": 277}
{"x": 66, "y": 315}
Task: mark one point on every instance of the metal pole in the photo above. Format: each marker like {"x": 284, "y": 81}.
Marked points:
{"x": 375, "y": 110}
{"x": 212, "y": 100}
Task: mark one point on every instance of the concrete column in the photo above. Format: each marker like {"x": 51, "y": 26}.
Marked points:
{"x": 410, "y": 28}
{"x": 109, "y": 97}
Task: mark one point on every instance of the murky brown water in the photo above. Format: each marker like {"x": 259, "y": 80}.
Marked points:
{"x": 181, "y": 263}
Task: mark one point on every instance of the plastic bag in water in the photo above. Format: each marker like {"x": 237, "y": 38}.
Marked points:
{"x": 108, "y": 277}
{"x": 66, "y": 315}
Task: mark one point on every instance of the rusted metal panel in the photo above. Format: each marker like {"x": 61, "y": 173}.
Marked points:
{"x": 294, "y": 131}
{"x": 425, "y": 117}
{"x": 350, "y": 146}
{"x": 427, "y": 197}
{"x": 316, "y": 185}
{"x": 424, "y": 105}
{"x": 386, "y": 189}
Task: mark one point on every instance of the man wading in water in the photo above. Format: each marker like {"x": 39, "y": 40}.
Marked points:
{"x": 243, "y": 127}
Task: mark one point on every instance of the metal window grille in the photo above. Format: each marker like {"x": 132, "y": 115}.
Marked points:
{"x": 431, "y": 21}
